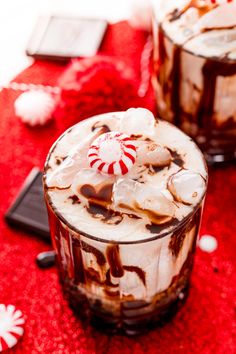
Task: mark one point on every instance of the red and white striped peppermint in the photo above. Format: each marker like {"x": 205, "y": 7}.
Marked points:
{"x": 112, "y": 153}
{"x": 11, "y": 326}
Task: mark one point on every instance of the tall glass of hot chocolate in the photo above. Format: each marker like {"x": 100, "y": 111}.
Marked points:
{"x": 195, "y": 71}
{"x": 124, "y": 193}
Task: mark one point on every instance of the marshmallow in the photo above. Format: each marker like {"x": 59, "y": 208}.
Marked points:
{"x": 153, "y": 154}
{"x": 187, "y": 186}
{"x": 208, "y": 243}
{"x": 154, "y": 201}
{"x": 123, "y": 192}
{"x": 132, "y": 195}
{"x": 138, "y": 121}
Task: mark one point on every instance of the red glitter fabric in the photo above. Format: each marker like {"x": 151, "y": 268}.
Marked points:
{"x": 206, "y": 324}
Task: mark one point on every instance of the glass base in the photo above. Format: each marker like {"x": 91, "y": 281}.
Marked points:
{"x": 130, "y": 317}
{"x": 132, "y": 323}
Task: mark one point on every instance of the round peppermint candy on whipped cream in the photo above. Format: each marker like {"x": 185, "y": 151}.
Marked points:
{"x": 113, "y": 153}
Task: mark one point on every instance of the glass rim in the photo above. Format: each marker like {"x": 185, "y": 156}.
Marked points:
{"x": 68, "y": 225}
{"x": 201, "y": 56}
{"x": 73, "y": 229}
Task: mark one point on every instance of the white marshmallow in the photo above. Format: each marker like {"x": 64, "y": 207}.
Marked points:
{"x": 139, "y": 197}
{"x": 136, "y": 121}
{"x": 152, "y": 199}
{"x": 123, "y": 192}
{"x": 187, "y": 186}
{"x": 208, "y": 243}
{"x": 153, "y": 154}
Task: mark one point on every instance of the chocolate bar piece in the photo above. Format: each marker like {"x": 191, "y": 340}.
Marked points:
{"x": 63, "y": 38}
{"x": 28, "y": 211}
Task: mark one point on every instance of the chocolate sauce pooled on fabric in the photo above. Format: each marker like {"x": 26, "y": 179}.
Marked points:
{"x": 123, "y": 241}
{"x": 196, "y": 79}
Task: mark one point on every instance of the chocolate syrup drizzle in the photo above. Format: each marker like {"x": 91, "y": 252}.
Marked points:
{"x": 111, "y": 258}
{"x": 158, "y": 228}
{"x": 104, "y": 214}
{"x": 177, "y": 158}
{"x": 178, "y": 237}
{"x": 117, "y": 269}
{"x": 105, "y": 128}
{"x": 211, "y": 70}
{"x": 104, "y": 194}
{"x": 175, "y": 79}
{"x": 177, "y": 13}
{"x": 75, "y": 199}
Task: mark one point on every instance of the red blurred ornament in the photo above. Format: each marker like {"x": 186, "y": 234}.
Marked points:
{"x": 96, "y": 85}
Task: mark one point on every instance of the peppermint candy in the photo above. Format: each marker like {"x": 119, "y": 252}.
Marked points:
{"x": 11, "y": 326}
{"x": 35, "y": 107}
{"x": 113, "y": 153}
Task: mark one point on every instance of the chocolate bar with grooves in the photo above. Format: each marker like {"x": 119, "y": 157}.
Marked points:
{"x": 28, "y": 211}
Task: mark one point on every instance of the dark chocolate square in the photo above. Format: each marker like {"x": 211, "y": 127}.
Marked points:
{"x": 28, "y": 211}
{"x": 62, "y": 38}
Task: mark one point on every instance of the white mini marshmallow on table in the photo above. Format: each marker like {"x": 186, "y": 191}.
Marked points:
{"x": 208, "y": 243}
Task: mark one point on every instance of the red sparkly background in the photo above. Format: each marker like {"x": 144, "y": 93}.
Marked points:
{"x": 207, "y": 322}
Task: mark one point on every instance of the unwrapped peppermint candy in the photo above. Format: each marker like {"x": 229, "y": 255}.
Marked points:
{"x": 11, "y": 326}
{"x": 35, "y": 107}
{"x": 113, "y": 153}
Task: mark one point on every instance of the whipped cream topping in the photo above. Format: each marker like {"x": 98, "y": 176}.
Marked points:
{"x": 205, "y": 28}
{"x": 164, "y": 185}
